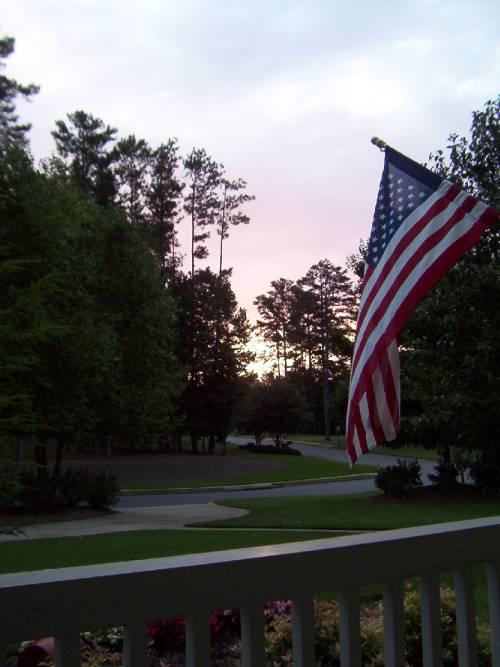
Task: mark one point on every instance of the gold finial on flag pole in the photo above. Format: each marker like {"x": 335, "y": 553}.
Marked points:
{"x": 378, "y": 142}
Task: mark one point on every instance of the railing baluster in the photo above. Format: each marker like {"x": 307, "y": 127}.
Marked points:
{"x": 394, "y": 624}
{"x": 198, "y": 641}
{"x": 303, "y": 631}
{"x": 350, "y": 639}
{"x": 466, "y": 618}
{"x": 494, "y": 600}
{"x": 67, "y": 650}
{"x": 135, "y": 646}
{"x": 252, "y": 637}
{"x": 431, "y": 619}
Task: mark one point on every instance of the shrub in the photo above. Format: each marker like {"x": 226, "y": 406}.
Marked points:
{"x": 10, "y": 484}
{"x": 71, "y": 485}
{"x": 167, "y": 636}
{"x": 326, "y": 634}
{"x": 398, "y": 480}
{"x": 43, "y": 492}
{"x": 445, "y": 477}
{"x": 102, "y": 489}
{"x": 485, "y": 471}
{"x": 38, "y": 492}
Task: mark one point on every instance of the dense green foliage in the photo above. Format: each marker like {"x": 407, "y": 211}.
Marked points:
{"x": 451, "y": 345}
{"x": 103, "y": 340}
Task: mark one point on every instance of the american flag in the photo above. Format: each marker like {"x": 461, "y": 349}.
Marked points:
{"x": 422, "y": 225}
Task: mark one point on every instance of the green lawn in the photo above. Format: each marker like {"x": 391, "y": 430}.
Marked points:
{"x": 370, "y": 511}
{"x": 338, "y": 442}
{"x": 297, "y": 468}
{"x": 27, "y": 555}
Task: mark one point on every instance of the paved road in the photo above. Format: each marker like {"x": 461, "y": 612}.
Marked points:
{"x": 332, "y": 488}
{"x": 321, "y": 489}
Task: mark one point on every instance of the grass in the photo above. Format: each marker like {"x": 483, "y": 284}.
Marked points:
{"x": 338, "y": 442}
{"x": 28, "y": 555}
{"x": 296, "y": 468}
{"x": 370, "y": 511}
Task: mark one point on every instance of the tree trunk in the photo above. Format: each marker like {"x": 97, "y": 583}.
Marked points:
{"x": 326, "y": 406}
{"x": 19, "y": 449}
{"x": 211, "y": 443}
{"x": 40, "y": 456}
{"x": 61, "y": 442}
{"x": 194, "y": 442}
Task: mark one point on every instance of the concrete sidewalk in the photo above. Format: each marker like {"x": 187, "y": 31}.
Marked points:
{"x": 133, "y": 518}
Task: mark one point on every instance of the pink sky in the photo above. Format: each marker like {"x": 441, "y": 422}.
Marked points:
{"x": 286, "y": 94}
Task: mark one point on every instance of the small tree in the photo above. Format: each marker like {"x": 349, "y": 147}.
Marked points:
{"x": 276, "y": 408}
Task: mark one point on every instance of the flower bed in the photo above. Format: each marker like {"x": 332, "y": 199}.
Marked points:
{"x": 167, "y": 637}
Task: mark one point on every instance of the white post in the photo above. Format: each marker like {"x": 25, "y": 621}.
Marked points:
{"x": 67, "y": 650}
{"x": 494, "y": 600}
{"x": 394, "y": 624}
{"x": 350, "y": 639}
{"x": 252, "y": 637}
{"x": 198, "y": 641}
{"x": 135, "y": 646}
{"x": 303, "y": 631}
{"x": 431, "y": 619}
{"x": 466, "y": 618}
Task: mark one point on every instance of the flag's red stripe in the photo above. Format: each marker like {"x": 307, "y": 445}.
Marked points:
{"x": 424, "y": 284}
{"x": 436, "y": 209}
{"x": 374, "y": 416}
{"x": 385, "y": 305}
{"x": 390, "y": 389}
{"x": 360, "y": 431}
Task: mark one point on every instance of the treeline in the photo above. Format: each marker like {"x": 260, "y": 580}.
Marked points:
{"x": 104, "y": 339}
{"x": 308, "y": 326}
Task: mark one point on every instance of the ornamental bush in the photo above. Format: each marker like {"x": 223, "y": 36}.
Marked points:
{"x": 40, "y": 492}
{"x": 398, "y": 480}
{"x": 167, "y": 636}
{"x": 102, "y": 490}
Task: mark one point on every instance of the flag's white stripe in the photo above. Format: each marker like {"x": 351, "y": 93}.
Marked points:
{"x": 366, "y": 421}
{"x": 407, "y": 225}
{"x": 382, "y": 407}
{"x": 456, "y": 232}
{"x": 433, "y": 226}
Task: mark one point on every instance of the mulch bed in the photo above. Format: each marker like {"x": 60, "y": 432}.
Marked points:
{"x": 174, "y": 468}
{"x": 436, "y": 494}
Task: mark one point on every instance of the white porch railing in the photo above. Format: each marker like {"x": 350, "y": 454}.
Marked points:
{"x": 62, "y": 603}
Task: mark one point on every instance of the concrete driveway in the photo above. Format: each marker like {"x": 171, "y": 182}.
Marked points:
{"x": 130, "y": 518}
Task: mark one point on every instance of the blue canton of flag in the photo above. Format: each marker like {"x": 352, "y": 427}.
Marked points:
{"x": 399, "y": 194}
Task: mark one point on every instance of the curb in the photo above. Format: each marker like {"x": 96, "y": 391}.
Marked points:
{"x": 248, "y": 487}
